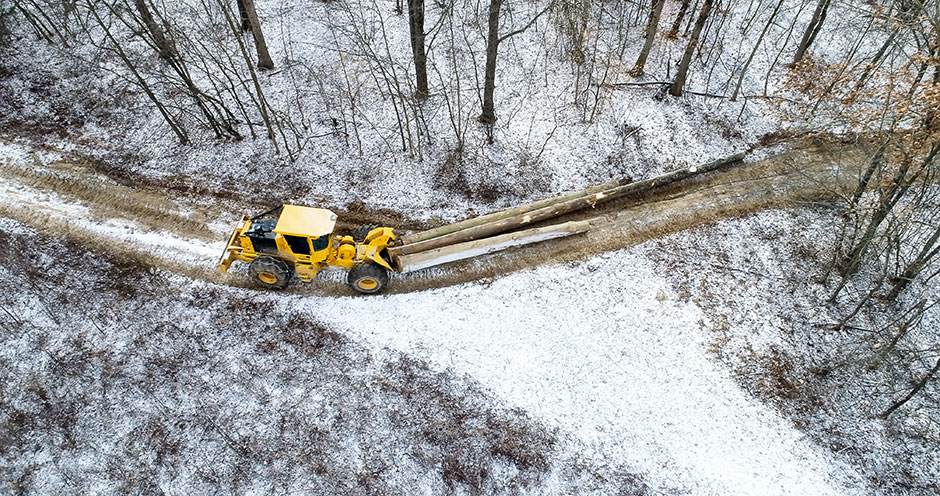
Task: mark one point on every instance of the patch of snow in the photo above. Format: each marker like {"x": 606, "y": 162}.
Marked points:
{"x": 14, "y": 227}
{"x": 13, "y": 153}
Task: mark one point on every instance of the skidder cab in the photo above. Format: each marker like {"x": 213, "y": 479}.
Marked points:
{"x": 292, "y": 239}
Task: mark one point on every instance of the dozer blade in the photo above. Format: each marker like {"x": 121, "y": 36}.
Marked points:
{"x": 471, "y": 249}
{"x": 228, "y": 255}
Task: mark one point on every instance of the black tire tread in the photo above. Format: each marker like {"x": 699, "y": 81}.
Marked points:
{"x": 371, "y": 270}
{"x": 272, "y": 266}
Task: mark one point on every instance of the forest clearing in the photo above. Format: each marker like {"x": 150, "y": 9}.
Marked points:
{"x": 654, "y": 247}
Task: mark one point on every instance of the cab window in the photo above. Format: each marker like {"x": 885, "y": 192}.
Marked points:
{"x": 321, "y": 243}
{"x": 298, "y": 244}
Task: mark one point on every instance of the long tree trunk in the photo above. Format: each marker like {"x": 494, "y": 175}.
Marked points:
{"x": 564, "y": 204}
{"x": 652, "y": 26}
{"x": 812, "y": 29}
{"x": 489, "y": 79}
{"x": 469, "y": 249}
{"x": 416, "y": 25}
{"x": 679, "y": 82}
{"x": 503, "y": 214}
{"x": 264, "y": 58}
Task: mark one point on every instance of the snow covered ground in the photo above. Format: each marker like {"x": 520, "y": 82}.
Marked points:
{"x": 611, "y": 353}
{"x": 632, "y": 357}
{"x": 603, "y": 349}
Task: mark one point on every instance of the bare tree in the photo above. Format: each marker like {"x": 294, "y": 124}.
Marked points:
{"x": 493, "y": 39}
{"x": 214, "y": 113}
{"x": 243, "y": 15}
{"x": 812, "y": 29}
{"x": 416, "y": 26}
{"x": 674, "y": 31}
{"x": 927, "y": 254}
{"x": 676, "y": 88}
{"x": 164, "y": 49}
{"x": 913, "y": 392}
{"x": 246, "y": 8}
{"x": 6, "y": 15}
{"x": 652, "y": 25}
{"x": 117, "y": 48}
{"x": 750, "y": 58}
{"x": 259, "y": 99}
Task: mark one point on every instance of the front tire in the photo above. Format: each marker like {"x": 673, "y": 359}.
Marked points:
{"x": 368, "y": 278}
{"x": 269, "y": 272}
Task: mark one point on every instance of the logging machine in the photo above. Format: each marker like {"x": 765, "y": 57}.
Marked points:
{"x": 293, "y": 241}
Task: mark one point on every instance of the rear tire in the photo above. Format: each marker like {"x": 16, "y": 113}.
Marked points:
{"x": 269, "y": 272}
{"x": 368, "y": 278}
{"x": 359, "y": 234}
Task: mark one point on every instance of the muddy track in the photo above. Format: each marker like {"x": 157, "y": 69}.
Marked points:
{"x": 184, "y": 233}
{"x": 809, "y": 172}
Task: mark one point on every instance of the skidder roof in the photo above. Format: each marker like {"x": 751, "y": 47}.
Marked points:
{"x": 305, "y": 221}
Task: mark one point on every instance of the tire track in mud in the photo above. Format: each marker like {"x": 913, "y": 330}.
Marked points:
{"x": 69, "y": 198}
{"x": 809, "y": 172}
{"x": 66, "y": 198}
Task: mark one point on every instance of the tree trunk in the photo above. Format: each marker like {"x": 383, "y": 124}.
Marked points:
{"x": 164, "y": 49}
{"x": 259, "y": 99}
{"x": 416, "y": 25}
{"x": 812, "y": 29}
{"x": 927, "y": 253}
{"x": 674, "y": 31}
{"x": 495, "y": 216}
{"x": 243, "y": 15}
{"x": 900, "y": 184}
{"x": 177, "y": 129}
{"x": 264, "y": 58}
{"x": 679, "y": 82}
{"x": 652, "y": 25}
{"x": 470, "y": 249}
{"x": 489, "y": 79}
{"x": 870, "y": 67}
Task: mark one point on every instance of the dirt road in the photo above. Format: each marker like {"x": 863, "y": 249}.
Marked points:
{"x": 69, "y": 198}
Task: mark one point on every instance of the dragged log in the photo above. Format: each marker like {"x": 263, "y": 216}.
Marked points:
{"x": 511, "y": 219}
{"x": 503, "y": 214}
{"x": 471, "y": 249}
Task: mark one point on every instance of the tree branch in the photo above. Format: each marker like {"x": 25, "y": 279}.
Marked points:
{"x": 527, "y": 26}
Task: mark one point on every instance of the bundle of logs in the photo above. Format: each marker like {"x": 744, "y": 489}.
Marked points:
{"x": 504, "y": 229}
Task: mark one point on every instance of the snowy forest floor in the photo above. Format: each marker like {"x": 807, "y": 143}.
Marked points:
{"x": 611, "y": 364}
